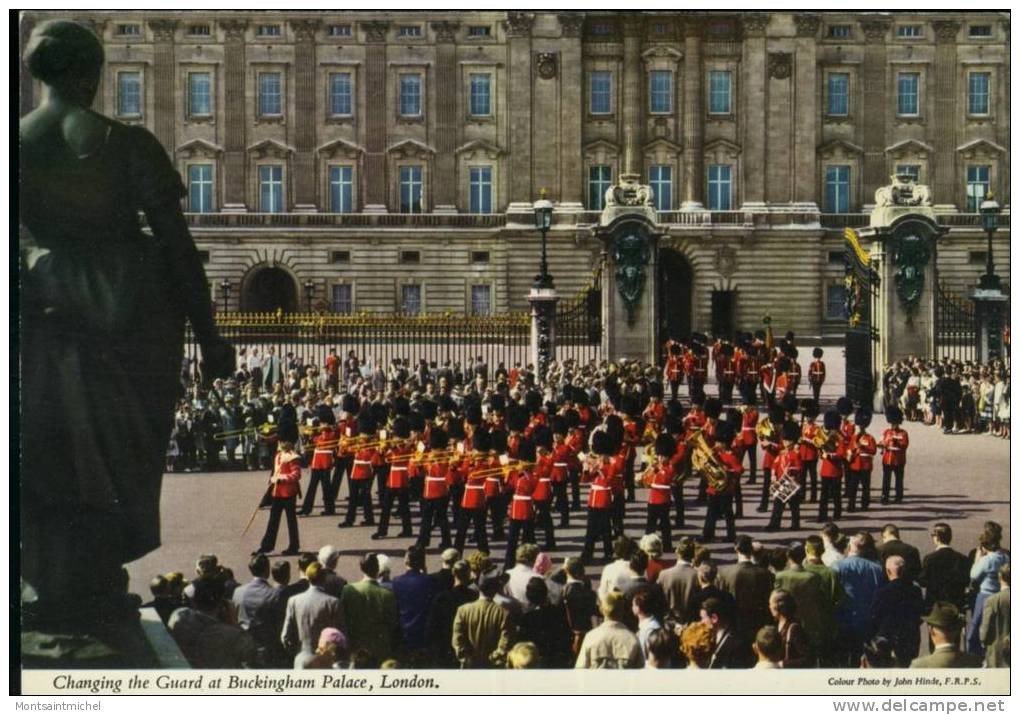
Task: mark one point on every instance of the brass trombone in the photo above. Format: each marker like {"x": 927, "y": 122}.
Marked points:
{"x": 501, "y": 469}
{"x": 220, "y": 436}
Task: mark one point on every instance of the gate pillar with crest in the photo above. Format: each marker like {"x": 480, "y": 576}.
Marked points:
{"x": 630, "y": 237}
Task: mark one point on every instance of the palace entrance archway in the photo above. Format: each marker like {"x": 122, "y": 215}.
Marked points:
{"x": 675, "y": 284}
{"x": 268, "y": 289}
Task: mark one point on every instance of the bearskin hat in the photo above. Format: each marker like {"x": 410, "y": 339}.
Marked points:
{"x": 473, "y": 414}
{"x": 844, "y": 406}
{"x": 558, "y": 424}
{"x": 713, "y": 407}
{"x": 401, "y": 428}
{"x": 366, "y": 422}
{"x": 497, "y": 403}
{"x": 533, "y": 401}
{"x": 791, "y": 431}
{"x": 401, "y": 406}
{"x": 629, "y": 405}
{"x": 428, "y": 409}
{"x": 380, "y": 413}
{"x": 498, "y": 441}
{"x": 325, "y": 415}
{"x": 832, "y": 420}
{"x": 893, "y": 415}
{"x": 783, "y": 364}
{"x": 516, "y": 417}
{"x": 665, "y": 446}
{"x": 455, "y": 429}
{"x": 809, "y": 408}
{"x": 481, "y": 441}
{"x": 438, "y": 439}
{"x": 776, "y": 415}
{"x": 676, "y": 350}
{"x": 698, "y": 400}
{"x": 601, "y": 443}
{"x": 614, "y": 425}
{"x": 417, "y": 421}
{"x": 789, "y": 403}
{"x": 581, "y": 397}
{"x": 724, "y": 433}
{"x": 726, "y": 349}
{"x": 446, "y": 404}
{"x": 526, "y": 450}
{"x": 675, "y": 409}
{"x": 817, "y": 353}
{"x": 672, "y": 424}
{"x": 542, "y": 436}
{"x": 655, "y": 389}
{"x": 862, "y": 418}
{"x": 349, "y": 404}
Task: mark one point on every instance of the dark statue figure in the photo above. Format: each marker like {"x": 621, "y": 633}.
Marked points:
{"x": 631, "y": 254}
{"x": 103, "y": 313}
{"x": 910, "y": 255}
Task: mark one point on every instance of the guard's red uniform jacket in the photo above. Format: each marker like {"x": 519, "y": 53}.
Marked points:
{"x": 895, "y": 442}
{"x": 831, "y": 462}
{"x": 618, "y": 466}
{"x": 287, "y": 468}
{"x": 539, "y": 418}
{"x": 513, "y": 444}
{"x": 563, "y": 462}
{"x": 770, "y": 445}
{"x": 680, "y": 455}
{"x": 576, "y": 440}
{"x": 808, "y": 450}
{"x": 324, "y": 447}
{"x": 365, "y": 460}
{"x": 863, "y": 448}
{"x": 512, "y": 378}
{"x": 600, "y": 492}
{"x": 847, "y": 429}
{"x": 398, "y": 457}
{"x": 655, "y": 413}
{"x": 767, "y": 374}
{"x": 816, "y": 373}
{"x": 748, "y": 424}
{"x": 631, "y": 438}
{"x": 733, "y": 471}
{"x": 699, "y": 372}
{"x": 474, "y": 486}
{"x": 793, "y": 376}
{"x": 522, "y": 485}
{"x": 708, "y": 430}
{"x": 660, "y": 490}
{"x": 694, "y": 419}
{"x": 789, "y": 463}
{"x": 688, "y": 363}
{"x": 782, "y": 385}
{"x": 542, "y": 473}
{"x": 674, "y": 368}
{"x": 725, "y": 369}
{"x": 437, "y": 480}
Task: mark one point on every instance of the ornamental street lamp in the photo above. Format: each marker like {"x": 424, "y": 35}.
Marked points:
{"x": 543, "y": 296}
{"x": 309, "y": 288}
{"x": 225, "y": 290}
{"x": 543, "y": 220}
{"x": 990, "y": 221}
{"x": 990, "y": 303}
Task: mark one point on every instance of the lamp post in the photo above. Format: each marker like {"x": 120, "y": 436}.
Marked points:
{"x": 543, "y": 220}
{"x": 543, "y": 297}
{"x": 309, "y": 288}
{"x": 990, "y": 221}
{"x": 990, "y": 303}
{"x": 225, "y": 290}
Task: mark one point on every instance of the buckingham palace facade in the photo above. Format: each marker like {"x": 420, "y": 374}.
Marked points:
{"x": 387, "y": 161}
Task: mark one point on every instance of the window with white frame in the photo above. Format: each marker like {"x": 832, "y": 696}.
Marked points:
{"x": 720, "y": 187}
{"x": 341, "y": 189}
{"x": 600, "y": 89}
{"x": 410, "y": 189}
{"x": 839, "y": 94}
{"x": 477, "y": 31}
{"x": 837, "y": 188}
{"x": 270, "y": 94}
{"x": 271, "y": 188}
{"x": 907, "y": 84}
{"x": 409, "y": 31}
{"x": 341, "y": 102}
{"x": 481, "y": 98}
{"x": 978, "y": 181}
{"x": 129, "y": 30}
{"x": 410, "y": 95}
{"x": 600, "y": 178}
{"x": 977, "y": 93}
{"x": 719, "y": 92}
{"x": 839, "y": 31}
{"x": 835, "y": 301}
{"x": 200, "y": 188}
{"x": 410, "y": 299}
{"x": 342, "y": 298}
{"x": 129, "y": 94}
{"x": 660, "y": 178}
{"x": 979, "y": 31}
{"x": 480, "y": 188}
{"x": 909, "y": 31}
{"x": 481, "y": 299}
{"x": 660, "y": 91}
{"x": 199, "y": 94}
{"x": 911, "y": 170}
{"x": 202, "y": 30}
{"x": 339, "y": 31}
{"x": 268, "y": 31}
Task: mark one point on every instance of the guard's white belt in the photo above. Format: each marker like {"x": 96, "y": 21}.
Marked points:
{"x": 522, "y": 497}
{"x": 661, "y": 486}
{"x": 362, "y": 462}
{"x": 747, "y": 429}
{"x": 435, "y": 479}
{"x": 563, "y": 465}
{"x": 324, "y": 451}
{"x": 398, "y": 468}
{"x": 544, "y": 479}
{"x": 597, "y": 488}
{"x": 475, "y": 486}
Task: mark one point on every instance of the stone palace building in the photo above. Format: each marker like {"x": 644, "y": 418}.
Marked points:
{"x": 387, "y": 161}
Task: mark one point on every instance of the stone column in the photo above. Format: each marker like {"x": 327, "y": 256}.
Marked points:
{"x": 445, "y": 189}
{"x": 755, "y": 132}
{"x": 571, "y": 194}
{"x": 375, "y": 116}
{"x": 235, "y": 123}
{"x": 943, "y": 121}
{"x": 163, "y": 82}
{"x": 304, "y": 115}
{"x": 874, "y": 85}
{"x": 518, "y": 31}
{"x": 805, "y": 112}
{"x": 633, "y": 96}
{"x": 694, "y": 117}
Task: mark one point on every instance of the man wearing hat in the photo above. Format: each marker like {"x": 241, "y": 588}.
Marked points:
{"x": 861, "y": 452}
{"x": 366, "y": 459}
{"x": 482, "y": 631}
{"x": 831, "y": 461}
{"x": 658, "y": 478}
{"x": 894, "y": 453}
{"x": 285, "y": 487}
{"x": 435, "y": 491}
{"x": 521, "y": 513}
{"x": 323, "y": 448}
{"x": 816, "y": 374}
{"x": 725, "y": 371}
{"x": 697, "y": 364}
{"x": 673, "y": 372}
{"x": 398, "y": 456}
{"x": 542, "y": 498}
{"x": 565, "y": 467}
{"x": 600, "y": 498}
{"x": 771, "y": 442}
{"x": 809, "y": 430}
{"x": 788, "y": 465}
{"x": 720, "y": 496}
{"x": 472, "y": 506}
{"x": 347, "y": 426}
{"x": 944, "y": 626}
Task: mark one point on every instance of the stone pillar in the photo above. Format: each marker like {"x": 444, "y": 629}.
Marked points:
{"x": 375, "y": 116}
{"x": 445, "y": 189}
{"x": 518, "y": 31}
{"x": 805, "y": 112}
{"x": 694, "y": 118}
{"x": 990, "y": 305}
{"x": 633, "y": 96}
{"x": 943, "y": 122}
{"x": 235, "y": 162}
{"x": 571, "y": 196}
{"x": 163, "y": 82}
{"x": 304, "y": 115}
{"x": 755, "y": 131}
{"x": 542, "y": 348}
{"x": 874, "y": 92}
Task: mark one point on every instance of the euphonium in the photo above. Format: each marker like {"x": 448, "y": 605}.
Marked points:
{"x": 820, "y": 438}
{"x": 765, "y": 430}
{"x": 706, "y": 462}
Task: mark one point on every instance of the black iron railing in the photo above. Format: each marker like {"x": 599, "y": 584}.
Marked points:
{"x": 955, "y": 325}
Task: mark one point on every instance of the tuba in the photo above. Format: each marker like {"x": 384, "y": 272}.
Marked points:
{"x": 705, "y": 462}
{"x": 765, "y": 430}
{"x": 821, "y": 437}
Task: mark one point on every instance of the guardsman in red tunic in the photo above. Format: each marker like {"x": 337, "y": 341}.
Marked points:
{"x": 894, "y": 453}
{"x": 323, "y": 447}
{"x": 809, "y": 430}
{"x": 860, "y": 456}
{"x": 725, "y": 372}
{"x": 695, "y": 417}
{"x": 658, "y": 478}
{"x": 816, "y": 374}
{"x": 788, "y": 465}
{"x": 674, "y": 370}
{"x": 618, "y": 463}
{"x": 632, "y": 429}
{"x": 495, "y": 497}
{"x": 397, "y": 481}
{"x": 521, "y": 512}
{"x": 436, "y": 490}
{"x": 845, "y": 408}
{"x": 679, "y": 461}
{"x": 415, "y": 476}
{"x": 598, "y": 474}
{"x": 749, "y": 438}
{"x": 720, "y": 496}
{"x": 347, "y": 426}
{"x": 655, "y": 412}
{"x": 830, "y": 468}
{"x": 544, "y": 487}
{"x": 366, "y": 459}
{"x": 458, "y": 468}
{"x": 794, "y": 375}
{"x": 564, "y": 466}
{"x": 699, "y": 364}
{"x": 285, "y": 486}
{"x": 770, "y": 437}
{"x": 472, "y": 505}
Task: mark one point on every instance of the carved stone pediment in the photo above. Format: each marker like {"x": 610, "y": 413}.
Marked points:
{"x": 340, "y": 149}
{"x": 980, "y": 148}
{"x": 479, "y": 148}
{"x": 270, "y": 148}
{"x": 839, "y": 149}
{"x": 909, "y": 148}
{"x": 903, "y": 192}
{"x": 410, "y": 148}
{"x": 199, "y": 148}
{"x": 722, "y": 147}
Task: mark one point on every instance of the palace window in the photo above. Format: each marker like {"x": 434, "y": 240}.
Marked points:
{"x": 660, "y": 178}
{"x": 479, "y": 256}
{"x": 660, "y": 92}
{"x": 720, "y": 187}
{"x": 200, "y": 188}
{"x": 410, "y": 189}
{"x": 906, "y": 94}
{"x": 409, "y": 31}
{"x": 339, "y": 31}
{"x": 909, "y": 31}
{"x": 478, "y": 31}
{"x": 339, "y": 256}
{"x": 481, "y": 95}
{"x": 481, "y": 299}
{"x": 340, "y": 101}
{"x": 839, "y": 94}
{"x": 839, "y": 31}
{"x": 410, "y": 257}
{"x": 600, "y": 178}
{"x": 977, "y": 93}
{"x": 837, "y": 189}
{"x": 410, "y": 299}
{"x": 911, "y": 170}
{"x": 129, "y": 30}
{"x": 601, "y": 92}
{"x": 199, "y": 31}
{"x": 343, "y": 303}
{"x": 268, "y": 31}
{"x": 410, "y": 95}
{"x": 199, "y": 94}
{"x": 129, "y": 94}
{"x": 978, "y": 180}
{"x": 480, "y": 189}
{"x": 341, "y": 189}
{"x": 271, "y": 189}
{"x": 835, "y": 301}
{"x": 270, "y": 99}
{"x": 719, "y": 85}
{"x": 980, "y": 31}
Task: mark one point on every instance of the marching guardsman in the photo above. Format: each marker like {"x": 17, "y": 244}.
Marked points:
{"x": 736, "y": 420}
{"x": 894, "y": 453}
{"x": 497, "y": 413}
{"x": 366, "y": 459}
{"x": 542, "y": 497}
{"x": 831, "y": 459}
{"x": 380, "y": 418}
{"x": 725, "y": 372}
{"x": 435, "y": 466}
{"x": 598, "y": 474}
{"x": 517, "y": 422}
{"x": 845, "y": 408}
{"x": 535, "y": 415}
{"x": 575, "y": 440}
{"x": 614, "y": 428}
{"x": 767, "y": 376}
{"x": 794, "y": 375}
{"x": 632, "y": 429}
{"x": 698, "y": 364}
{"x": 860, "y": 456}
{"x": 398, "y": 480}
{"x": 419, "y": 435}
{"x": 720, "y": 495}
{"x": 816, "y": 373}
{"x": 285, "y": 487}
{"x": 809, "y": 431}
{"x": 674, "y": 370}
{"x": 323, "y": 448}
{"x": 749, "y": 437}
{"x": 495, "y": 499}
{"x": 781, "y": 382}
{"x": 770, "y": 437}
{"x": 564, "y": 466}
{"x": 712, "y": 410}
{"x": 346, "y": 427}
{"x": 680, "y": 461}
{"x": 655, "y": 412}
{"x": 695, "y": 417}
{"x": 458, "y": 441}
{"x": 472, "y": 506}
{"x": 788, "y": 466}
{"x": 659, "y": 478}
{"x": 521, "y": 513}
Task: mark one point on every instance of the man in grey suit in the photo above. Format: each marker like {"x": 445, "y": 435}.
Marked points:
{"x": 257, "y": 603}
{"x": 307, "y": 614}
{"x": 679, "y": 582}
{"x": 944, "y": 626}
{"x": 750, "y": 586}
{"x": 995, "y": 624}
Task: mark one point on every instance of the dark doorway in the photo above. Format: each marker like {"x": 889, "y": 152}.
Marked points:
{"x": 723, "y": 302}
{"x": 675, "y": 283}
{"x": 268, "y": 290}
